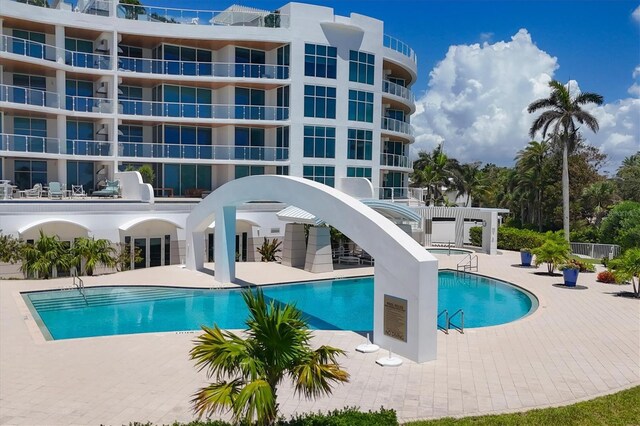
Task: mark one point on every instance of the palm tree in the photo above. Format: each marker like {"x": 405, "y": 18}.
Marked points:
{"x": 530, "y": 162}
{"x": 93, "y": 252}
{"x": 248, "y": 371}
{"x": 432, "y": 171}
{"x": 562, "y": 111}
{"x": 45, "y": 256}
{"x": 469, "y": 180}
{"x": 599, "y": 197}
{"x": 627, "y": 267}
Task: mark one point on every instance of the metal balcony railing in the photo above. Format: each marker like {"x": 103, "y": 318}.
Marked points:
{"x": 398, "y": 90}
{"x": 394, "y": 160}
{"x": 393, "y": 193}
{"x": 202, "y": 152}
{"x": 394, "y": 125}
{"x": 48, "y": 52}
{"x": 400, "y": 46}
{"x": 44, "y": 145}
{"x": 190, "y": 110}
{"x": 206, "y": 69}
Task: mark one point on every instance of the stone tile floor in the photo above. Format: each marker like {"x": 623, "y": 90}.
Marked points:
{"x": 579, "y": 344}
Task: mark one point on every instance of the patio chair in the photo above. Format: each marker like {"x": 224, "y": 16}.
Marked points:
{"x": 56, "y": 190}
{"x": 111, "y": 190}
{"x": 35, "y": 192}
{"x": 77, "y": 191}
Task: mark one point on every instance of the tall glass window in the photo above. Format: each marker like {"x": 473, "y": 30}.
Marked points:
{"x": 319, "y": 142}
{"x": 361, "y": 67}
{"x": 282, "y": 143}
{"x": 250, "y": 62}
{"x": 30, "y": 89}
{"x": 359, "y": 144}
{"x": 79, "y": 53}
{"x": 396, "y": 114}
{"x": 32, "y": 44}
{"x": 249, "y": 142}
{"x": 320, "y": 61}
{"x": 186, "y": 142}
{"x": 186, "y": 179}
{"x": 184, "y": 101}
{"x": 321, "y": 174}
{"x": 181, "y": 60}
{"x": 242, "y": 171}
{"x": 282, "y": 97}
{"x": 364, "y": 172}
{"x": 283, "y": 53}
{"x": 320, "y": 101}
{"x": 360, "y": 106}
{"x": 29, "y": 172}
{"x": 129, "y": 139}
{"x": 80, "y": 131}
{"x": 130, "y": 100}
{"x": 249, "y": 103}
{"x": 32, "y": 131}
{"x": 131, "y": 59}
{"x": 79, "y": 93}
{"x": 80, "y": 173}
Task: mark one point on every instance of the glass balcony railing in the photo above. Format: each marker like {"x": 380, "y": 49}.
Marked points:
{"x": 241, "y": 17}
{"x": 394, "y": 160}
{"x": 398, "y": 90}
{"x": 189, "y": 110}
{"x": 400, "y": 46}
{"x": 88, "y": 104}
{"x": 398, "y": 126}
{"x": 202, "y": 152}
{"x": 393, "y": 193}
{"x": 47, "y": 52}
{"x": 43, "y": 145}
{"x": 28, "y": 96}
{"x": 206, "y": 69}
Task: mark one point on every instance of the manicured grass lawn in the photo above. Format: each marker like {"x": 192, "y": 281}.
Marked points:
{"x": 622, "y": 408}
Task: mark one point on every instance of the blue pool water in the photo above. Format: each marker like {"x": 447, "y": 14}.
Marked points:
{"x": 447, "y": 251}
{"x": 345, "y": 304}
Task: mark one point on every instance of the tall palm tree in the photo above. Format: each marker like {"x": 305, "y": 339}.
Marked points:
{"x": 598, "y": 198}
{"x": 432, "y": 171}
{"x": 45, "y": 256}
{"x": 248, "y": 371}
{"x": 530, "y": 161}
{"x": 93, "y": 252}
{"x": 469, "y": 180}
{"x": 561, "y": 112}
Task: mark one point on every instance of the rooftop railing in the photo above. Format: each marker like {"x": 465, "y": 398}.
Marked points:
{"x": 202, "y": 152}
{"x": 400, "y": 46}
{"x": 48, "y": 52}
{"x": 44, "y": 145}
{"x": 395, "y": 160}
{"x": 397, "y": 126}
{"x": 191, "y": 110}
{"x": 397, "y": 90}
{"x": 235, "y": 18}
{"x": 207, "y": 69}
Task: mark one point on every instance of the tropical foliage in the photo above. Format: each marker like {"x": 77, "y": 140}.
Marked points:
{"x": 89, "y": 253}
{"x": 554, "y": 251}
{"x": 248, "y": 371}
{"x": 627, "y": 267}
{"x": 10, "y": 248}
{"x": 269, "y": 250}
{"x": 46, "y": 255}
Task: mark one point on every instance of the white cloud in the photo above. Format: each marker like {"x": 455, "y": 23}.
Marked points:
{"x": 477, "y": 101}
{"x": 636, "y": 14}
{"x": 635, "y": 87}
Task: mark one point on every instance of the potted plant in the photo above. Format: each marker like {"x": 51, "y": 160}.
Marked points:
{"x": 554, "y": 251}
{"x": 525, "y": 257}
{"x": 570, "y": 271}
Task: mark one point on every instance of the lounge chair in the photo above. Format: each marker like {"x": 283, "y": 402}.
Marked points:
{"x": 111, "y": 190}
{"x": 35, "y": 192}
{"x": 77, "y": 191}
{"x": 56, "y": 190}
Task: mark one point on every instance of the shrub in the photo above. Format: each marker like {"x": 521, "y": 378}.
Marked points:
{"x": 510, "y": 238}
{"x": 553, "y": 252}
{"x": 578, "y": 264}
{"x": 606, "y": 277}
{"x": 269, "y": 250}
{"x": 622, "y": 225}
{"x": 475, "y": 235}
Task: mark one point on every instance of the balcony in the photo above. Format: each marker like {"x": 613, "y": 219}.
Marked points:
{"x": 398, "y": 90}
{"x": 88, "y": 104}
{"x": 189, "y": 110}
{"x": 203, "y": 69}
{"x": 399, "y": 46}
{"x": 393, "y": 193}
{"x": 27, "y": 96}
{"x": 47, "y": 52}
{"x": 43, "y": 145}
{"x": 236, "y": 16}
{"x": 397, "y": 126}
{"x": 202, "y": 152}
{"x": 394, "y": 160}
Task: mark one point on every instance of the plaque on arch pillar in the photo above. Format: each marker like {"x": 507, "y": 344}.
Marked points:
{"x": 395, "y": 317}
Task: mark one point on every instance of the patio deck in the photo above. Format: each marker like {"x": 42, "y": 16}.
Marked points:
{"x": 579, "y": 344}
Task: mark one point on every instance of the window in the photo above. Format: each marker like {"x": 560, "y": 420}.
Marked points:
{"x": 282, "y": 143}
{"x": 250, "y": 62}
{"x": 321, "y": 174}
{"x": 185, "y": 177}
{"x": 180, "y": 60}
{"x": 183, "y": 101}
{"x": 79, "y": 95}
{"x": 30, "y": 89}
{"x": 320, "y": 101}
{"x": 282, "y": 170}
{"x": 185, "y": 142}
{"x": 364, "y": 172}
{"x": 249, "y": 142}
{"x": 250, "y": 103}
{"x": 80, "y": 53}
{"x": 393, "y": 147}
{"x": 319, "y": 142}
{"x": 398, "y": 81}
{"x": 361, "y": 67}
{"x": 360, "y": 106}
{"x": 283, "y": 54}
{"x": 32, "y": 44}
{"x": 320, "y": 61}
{"x": 34, "y": 132}
{"x": 80, "y": 173}
{"x": 129, "y": 139}
{"x": 131, "y": 59}
{"x": 28, "y": 173}
{"x": 128, "y": 98}
{"x": 359, "y": 144}
{"x": 282, "y": 98}
{"x": 395, "y": 114}
{"x": 242, "y": 171}
{"x": 393, "y": 184}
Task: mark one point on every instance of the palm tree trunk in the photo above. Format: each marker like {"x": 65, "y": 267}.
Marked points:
{"x": 565, "y": 187}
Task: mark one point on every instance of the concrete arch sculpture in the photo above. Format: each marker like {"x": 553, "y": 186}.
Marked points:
{"x": 403, "y": 268}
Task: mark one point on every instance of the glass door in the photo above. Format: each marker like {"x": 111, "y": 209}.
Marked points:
{"x": 155, "y": 251}
{"x": 140, "y": 244}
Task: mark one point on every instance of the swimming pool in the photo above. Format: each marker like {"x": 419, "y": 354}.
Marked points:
{"x": 447, "y": 251}
{"x": 344, "y": 304}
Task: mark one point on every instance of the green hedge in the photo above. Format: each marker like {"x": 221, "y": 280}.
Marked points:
{"x": 510, "y": 238}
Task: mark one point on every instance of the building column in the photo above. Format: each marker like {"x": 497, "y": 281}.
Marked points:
{"x": 318, "y": 257}
{"x": 428, "y": 231}
{"x": 459, "y": 232}
{"x": 224, "y": 245}
{"x": 490, "y": 233}
{"x": 294, "y": 245}
{"x": 60, "y": 44}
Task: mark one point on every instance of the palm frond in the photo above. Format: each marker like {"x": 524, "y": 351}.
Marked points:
{"x": 255, "y": 402}
{"x": 221, "y": 353}
{"x": 216, "y": 398}
{"x": 589, "y": 98}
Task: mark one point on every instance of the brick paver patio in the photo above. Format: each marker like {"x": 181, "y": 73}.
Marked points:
{"x": 578, "y": 344}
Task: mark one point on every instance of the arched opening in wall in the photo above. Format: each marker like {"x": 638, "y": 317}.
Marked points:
{"x": 151, "y": 242}
{"x": 248, "y": 240}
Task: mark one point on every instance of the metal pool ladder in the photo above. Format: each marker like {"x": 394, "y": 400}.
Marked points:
{"x": 452, "y": 325}
{"x": 468, "y": 263}
{"x": 79, "y": 284}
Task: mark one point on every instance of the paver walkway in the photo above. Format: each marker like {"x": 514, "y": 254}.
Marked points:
{"x": 578, "y": 344}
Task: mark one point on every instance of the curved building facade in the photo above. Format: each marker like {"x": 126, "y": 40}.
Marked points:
{"x": 202, "y": 97}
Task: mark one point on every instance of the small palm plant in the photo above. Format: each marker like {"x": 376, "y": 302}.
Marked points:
{"x": 248, "y": 371}
{"x": 269, "y": 250}
{"x": 627, "y": 267}
{"x": 554, "y": 251}
{"x": 94, "y": 252}
{"x": 48, "y": 253}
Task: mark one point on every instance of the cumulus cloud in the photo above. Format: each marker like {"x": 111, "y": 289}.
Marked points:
{"x": 477, "y": 99}
{"x": 636, "y": 14}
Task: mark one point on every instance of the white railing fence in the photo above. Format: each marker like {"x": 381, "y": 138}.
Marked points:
{"x": 596, "y": 251}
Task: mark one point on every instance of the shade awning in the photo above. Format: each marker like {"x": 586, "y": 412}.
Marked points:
{"x": 297, "y": 215}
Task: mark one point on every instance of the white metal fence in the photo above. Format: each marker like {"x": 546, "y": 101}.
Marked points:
{"x": 596, "y": 251}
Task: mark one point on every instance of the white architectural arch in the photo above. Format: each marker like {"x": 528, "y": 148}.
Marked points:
{"x": 64, "y": 228}
{"x": 403, "y": 268}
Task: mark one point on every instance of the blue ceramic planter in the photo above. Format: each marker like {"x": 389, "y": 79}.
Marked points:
{"x": 525, "y": 258}
{"x": 570, "y": 277}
